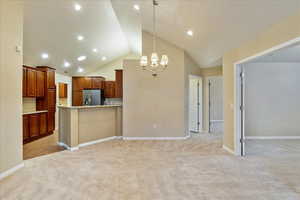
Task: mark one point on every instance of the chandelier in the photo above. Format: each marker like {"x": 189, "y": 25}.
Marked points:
{"x": 155, "y": 66}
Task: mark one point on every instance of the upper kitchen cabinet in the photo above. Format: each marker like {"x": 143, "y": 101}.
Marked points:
{"x": 24, "y": 85}
{"x": 97, "y": 82}
{"x": 63, "y": 90}
{"x": 81, "y": 83}
{"x": 40, "y": 83}
{"x": 110, "y": 89}
{"x": 119, "y": 84}
{"x": 51, "y": 79}
{"x": 33, "y": 82}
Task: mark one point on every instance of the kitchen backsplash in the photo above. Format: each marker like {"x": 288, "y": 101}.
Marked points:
{"x": 29, "y": 105}
{"x": 113, "y": 101}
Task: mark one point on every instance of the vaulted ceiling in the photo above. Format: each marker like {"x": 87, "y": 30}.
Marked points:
{"x": 114, "y": 28}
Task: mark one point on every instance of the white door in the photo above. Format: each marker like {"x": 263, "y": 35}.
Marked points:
{"x": 195, "y": 104}
{"x": 216, "y": 104}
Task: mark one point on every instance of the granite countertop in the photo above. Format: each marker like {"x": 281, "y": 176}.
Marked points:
{"x": 35, "y": 112}
{"x": 85, "y": 107}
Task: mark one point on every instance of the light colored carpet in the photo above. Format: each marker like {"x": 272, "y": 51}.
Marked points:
{"x": 195, "y": 169}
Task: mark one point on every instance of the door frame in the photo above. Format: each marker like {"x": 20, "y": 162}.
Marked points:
{"x": 237, "y": 91}
{"x": 200, "y": 100}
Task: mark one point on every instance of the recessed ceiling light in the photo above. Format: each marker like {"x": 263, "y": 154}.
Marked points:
{"x": 77, "y": 7}
{"x": 104, "y": 58}
{"x": 81, "y": 58}
{"x": 80, "y": 69}
{"x": 67, "y": 64}
{"x": 80, "y": 37}
{"x": 45, "y": 56}
{"x": 137, "y": 7}
{"x": 190, "y": 32}
{"x": 95, "y": 50}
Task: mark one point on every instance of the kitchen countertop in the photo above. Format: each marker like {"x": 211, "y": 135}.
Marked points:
{"x": 85, "y": 107}
{"x": 35, "y": 112}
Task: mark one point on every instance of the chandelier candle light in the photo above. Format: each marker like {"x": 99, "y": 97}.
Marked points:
{"x": 155, "y": 66}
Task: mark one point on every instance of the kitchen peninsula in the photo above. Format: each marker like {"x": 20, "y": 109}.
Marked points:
{"x": 84, "y": 125}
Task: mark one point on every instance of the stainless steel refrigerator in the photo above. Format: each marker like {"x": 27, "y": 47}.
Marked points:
{"x": 92, "y": 97}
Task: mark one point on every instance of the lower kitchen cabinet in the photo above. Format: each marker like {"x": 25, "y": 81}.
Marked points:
{"x": 26, "y": 127}
{"x": 43, "y": 124}
{"x": 37, "y": 125}
{"x": 51, "y": 121}
{"x": 34, "y": 128}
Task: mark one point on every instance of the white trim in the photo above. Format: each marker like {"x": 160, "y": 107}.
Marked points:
{"x": 228, "y": 150}
{"x": 119, "y": 138}
{"x": 11, "y": 171}
{"x": 217, "y": 121}
{"x": 275, "y": 48}
{"x": 272, "y": 138}
{"x": 156, "y": 138}
{"x": 237, "y": 117}
{"x": 67, "y": 147}
{"x": 98, "y": 141}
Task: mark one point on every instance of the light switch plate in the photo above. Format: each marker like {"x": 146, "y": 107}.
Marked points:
{"x": 18, "y": 49}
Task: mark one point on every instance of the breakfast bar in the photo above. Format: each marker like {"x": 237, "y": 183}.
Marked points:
{"x": 84, "y": 125}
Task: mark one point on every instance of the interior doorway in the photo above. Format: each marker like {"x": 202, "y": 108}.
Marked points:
{"x": 267, "y": 102}
{"x": 215, "y": 104}
{"x": 195, "y": 104}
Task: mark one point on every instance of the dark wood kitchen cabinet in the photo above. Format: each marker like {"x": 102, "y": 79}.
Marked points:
{"x": 77, "y": 98}
{"x": 81, "y": 83}
{"x": 26, "y": 134}
{"x": 109, "y": 89}
{"x": 50, "y": 78}
{"x": 43, "y": 124}
{"x": 34, "y": 128}
{"x": 40, "y": 83}
{"x": 119, "y": 84}
{"x": 63, "y": 90}
{"x": 51, "y": 122}
{"x": 97, "y": 83}
{"x": 24, "y": 85}
{"x": 51, "y": 100}
{"x": 31, "y": 82}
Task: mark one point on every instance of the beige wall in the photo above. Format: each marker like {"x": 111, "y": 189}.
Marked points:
{"x": 82, "y": 125}
{"x": 11, "y": 33}
{"x": 108, "y": 70}
{"x": 155, "y": 106}
{"x": 284, "y": 31}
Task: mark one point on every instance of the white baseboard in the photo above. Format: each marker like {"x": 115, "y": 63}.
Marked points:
{"x": 11, "y": 171}
{"x": 67, "y": 147}
{"x": 119, "y": 138}
{"x": 272, "y": 137}
{"x": 228, "y": 150}
{"x": 99, "y": 141}
{"x": 156, "y": 138}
